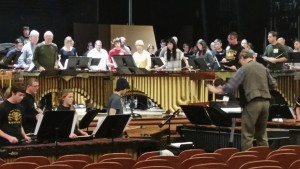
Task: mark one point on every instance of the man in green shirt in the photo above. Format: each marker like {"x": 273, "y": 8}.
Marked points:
{"x": 45, "y": 56}
{"x": 275, "y": 53}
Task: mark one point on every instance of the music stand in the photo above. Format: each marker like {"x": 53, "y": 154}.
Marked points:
{"x": 201, "y": 64}
{"x": 72, "y": 62}
{"x": 78, "y": 62}
{"x": 196, "y": 114}
{"x": 192, "y": 63}
{"x": 95, "y": 61}
{"x": 84, "y": 62}
{"x": 111, "y": 126}
{"x": 126, "y": 65}
{"x": 278, "y": 112}
{"x": 156, "y": 62}
{"x": 55, "y": 126}
{"x": 294, "y": 57}
{"x": 88, "y": 118}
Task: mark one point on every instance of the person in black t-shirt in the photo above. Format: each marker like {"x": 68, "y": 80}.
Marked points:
{"x": 11, "y": 130}
{"x": 234, "y": 48}
{"x": 31, "y": 111}
{"x": 66, "y": 104}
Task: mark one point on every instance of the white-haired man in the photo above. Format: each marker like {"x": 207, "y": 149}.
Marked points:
{"x": 45, "y": 56}
{"x": 28, "y": 49}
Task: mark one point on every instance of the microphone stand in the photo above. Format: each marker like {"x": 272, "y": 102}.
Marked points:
{"x": 132, "y": 105}
{"x": 169, "y": 122}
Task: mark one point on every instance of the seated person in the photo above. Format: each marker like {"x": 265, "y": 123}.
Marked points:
{"x": 297, "y": 110}
{"x": 66, "y": 104}
{"x": 11, "y": 130}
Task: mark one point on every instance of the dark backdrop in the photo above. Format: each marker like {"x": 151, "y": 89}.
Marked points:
{"x": 188, "y": 19}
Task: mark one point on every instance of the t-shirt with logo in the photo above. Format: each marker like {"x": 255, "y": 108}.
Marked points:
{"x": 232, "y": 55}
{"x": 10, "y": 120}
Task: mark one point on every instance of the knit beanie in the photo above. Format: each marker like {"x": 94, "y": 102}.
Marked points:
{"x": 122, "y": 84}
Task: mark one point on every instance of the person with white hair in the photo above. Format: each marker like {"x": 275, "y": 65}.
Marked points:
{"x": 141, "y": 57}
{"x": 45, "y": 56}
{"x": 28, "y": 49}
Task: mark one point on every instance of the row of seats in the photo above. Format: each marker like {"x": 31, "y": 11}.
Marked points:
{"x": 286, "y": 157}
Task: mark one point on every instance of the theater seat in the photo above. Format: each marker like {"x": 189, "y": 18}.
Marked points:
{"x": 19, "y": 165}
{"x": 55, "y": 166}
{"x": 82, "y": 157}
{"x": 39, "y": 160}
{"x": 113, "y": 155}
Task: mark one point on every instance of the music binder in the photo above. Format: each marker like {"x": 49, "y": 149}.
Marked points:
{"x": 55, "y": 126}
{"x": 111, "y": 126}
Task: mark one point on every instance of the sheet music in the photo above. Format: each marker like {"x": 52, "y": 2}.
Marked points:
{"x": 38, "y": 124}
{"x": 31, "y": 66}
{"x": 100, "y": 121}
{"x": 232, "y": 110}
{"x": 177, "y": 145}
{"x": 127, "y": 123}
{"x": 74, "y": 123}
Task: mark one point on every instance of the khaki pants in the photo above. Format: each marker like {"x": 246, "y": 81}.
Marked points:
{"x": 254, "y": 124}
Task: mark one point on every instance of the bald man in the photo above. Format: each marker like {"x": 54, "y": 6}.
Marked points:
{"x": 45, "y": 56}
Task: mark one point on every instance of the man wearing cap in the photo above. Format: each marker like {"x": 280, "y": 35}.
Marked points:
{"x": 25, "y": 37}
{"x": 297, "y": 110}
{"x": 114, "y": 105}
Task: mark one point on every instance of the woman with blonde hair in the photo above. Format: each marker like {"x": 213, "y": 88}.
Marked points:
{"x": 66, "y": 104}
{"x": 66, "y": 51}
{"x": 141, "y": 57}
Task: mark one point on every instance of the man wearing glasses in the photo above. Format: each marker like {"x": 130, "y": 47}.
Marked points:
{"x": 231, "y": 60}
{"x": 31, "y": 113}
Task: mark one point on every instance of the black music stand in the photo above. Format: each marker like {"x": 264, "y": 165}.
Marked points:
{"x": 156, "y": 62}
{"x": 196, "y": 114}
{"x": 95, "y": 61}
{"x": 294, "y": 57}
{"x": 278, "y": 112}
{"x": 111, "y": 126}
{"x": 201, "y": 64}
{"x": 88, "y": 118}
{"x": 55, "y": 126}
{"x": 78, "y": 62}
{"x": 126, "y": 65}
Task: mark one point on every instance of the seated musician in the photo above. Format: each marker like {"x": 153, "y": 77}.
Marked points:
{"x": 11, "y": 130}
{"x": 66, "y": 104}
{"x": 297, "y": 110}
{"x": 172, "y": 58}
